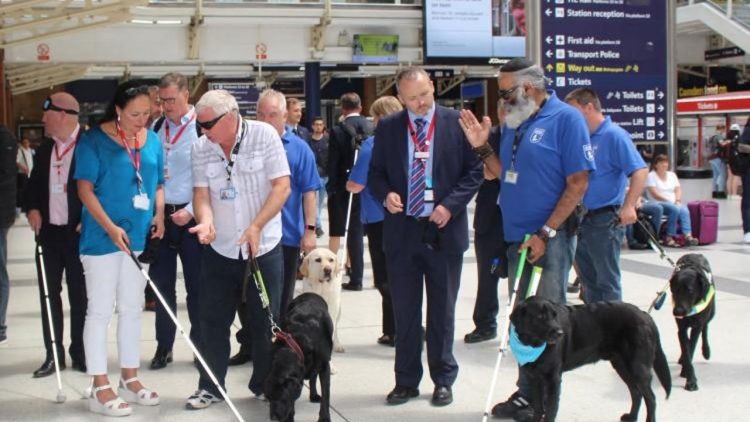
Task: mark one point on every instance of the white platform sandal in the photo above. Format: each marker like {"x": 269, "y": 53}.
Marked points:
{"x": 144, "y": 396}
{"x": 110, "y": 408}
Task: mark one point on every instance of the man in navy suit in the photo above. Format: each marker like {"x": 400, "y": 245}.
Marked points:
{"x": 424, "y": 173}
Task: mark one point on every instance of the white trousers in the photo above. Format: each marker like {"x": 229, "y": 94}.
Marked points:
{"x": 112, "y": 279}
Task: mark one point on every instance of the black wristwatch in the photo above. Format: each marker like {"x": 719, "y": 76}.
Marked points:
{"x": 546, "y": 233}
{"x": 310, "y": 227}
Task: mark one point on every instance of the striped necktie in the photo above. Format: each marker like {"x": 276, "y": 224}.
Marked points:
{"x": 417, "y": 183}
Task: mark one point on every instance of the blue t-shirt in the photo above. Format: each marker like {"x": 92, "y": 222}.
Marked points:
{"x": 371, "y": 211}
{"x": 304, "y": 178}
{"x": 554, "y": 145}
{"x": 106, "y": 164}
{"x": 616, "y": 159}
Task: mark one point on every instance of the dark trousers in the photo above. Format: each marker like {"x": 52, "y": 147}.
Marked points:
{"x": 440, "y": 273}
{"x": 221, "y": 290}
{"x": 60, "y": 249}
{"x": 337, "y": 206}
{"x": 746, "y": 202}
{"x": 291, "y": 262}
{"x": 374, "y": 233}
{"x": 488, "y": 246}
{"x": 21, "y": 182}
{"x": 177, "y": 241}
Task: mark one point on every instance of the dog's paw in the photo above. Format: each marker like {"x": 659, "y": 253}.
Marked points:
{"x": 627, "y": 417}
{"x": 706, "y": 353}
{"x": 328, "y": 419}
{"x": 691, "y": 385}
{"x": 315, "y": 398}
{"x": 683, "y": 372}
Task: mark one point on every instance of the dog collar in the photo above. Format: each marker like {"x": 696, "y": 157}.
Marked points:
{"x": 703, "y": 304}
{"x": 524, "y": 353}
{"x": 289, "y": 340}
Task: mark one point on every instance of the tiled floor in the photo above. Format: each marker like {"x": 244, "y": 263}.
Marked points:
{"x": 365, "y": 371}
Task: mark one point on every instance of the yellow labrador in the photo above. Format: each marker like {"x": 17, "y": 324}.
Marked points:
{"x": 320, "y": 270}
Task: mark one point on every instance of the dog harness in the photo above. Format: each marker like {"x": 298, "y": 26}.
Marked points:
{"x": 289, "y": 340}
{"x": 524, "y": 353}
{"x": 703, "y": 304}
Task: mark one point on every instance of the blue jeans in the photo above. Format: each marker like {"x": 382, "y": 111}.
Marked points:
{"x": 321, "y": 200}
{"x": 719, "y": 172}
{"x": 4, "y": 280}
{"x": 556, "y": 263}
{"x": 598, "y": 256}
{"x": 652, "y": 210}
{"x": 673, "y": 213}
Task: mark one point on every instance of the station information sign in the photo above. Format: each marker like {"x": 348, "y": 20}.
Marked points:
{"x": 617, "y": 48}
{"x": 245, "y": 93}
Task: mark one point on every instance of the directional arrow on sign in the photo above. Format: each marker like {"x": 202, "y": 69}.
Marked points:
{"x": 661, "y": 108}
{"x": 661, "y": 135}
{"x": 661, "y": 121}
{"x": 550, "y": 68}
{"x": 549, "y": 39}
{"x": 660, "y": 94}
{"x": 548, "y": 54}
{"x": 548, "y": 12}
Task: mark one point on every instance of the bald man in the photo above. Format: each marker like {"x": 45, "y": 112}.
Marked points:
{"x": 54, "y": 214}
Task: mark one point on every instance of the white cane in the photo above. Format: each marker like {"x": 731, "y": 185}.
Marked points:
{"x": 533, "y": 285}
{"x": 344, "y": 250}
{"x": 186, "y": 337}
{"x": 60, "y": 395}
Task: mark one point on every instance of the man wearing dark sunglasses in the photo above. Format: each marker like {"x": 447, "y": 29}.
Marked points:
{"x": 543, "y": 165}
{"x": 240, "y": 183}
{"x": 54, "y": 214}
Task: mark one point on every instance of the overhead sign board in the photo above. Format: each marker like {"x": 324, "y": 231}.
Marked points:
{"x": 246, "y": 94}
{"x": 617, "y": 48}
{"x": 723, "y": 53}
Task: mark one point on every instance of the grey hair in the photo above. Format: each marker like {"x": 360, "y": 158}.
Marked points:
{"x": 219, "y": 100}
{"x": 273, "y": 94}
{"x": 174, "y": 78}
{"x": 533, "y": 75}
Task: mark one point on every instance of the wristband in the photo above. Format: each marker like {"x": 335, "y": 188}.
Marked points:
{"x": 483, "y": 152}
{"x": 310, "y": 227}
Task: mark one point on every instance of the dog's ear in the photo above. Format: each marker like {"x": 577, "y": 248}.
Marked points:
{"x": 705, "y": 281}
{"x": 303, "y": 267}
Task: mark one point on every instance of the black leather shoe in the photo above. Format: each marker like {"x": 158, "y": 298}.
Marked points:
{"x": 161, "y": 358}
{"x": 387, "y": 340}
{"x": 478, "y": 335}
{"x": 401, "y": 394}
{"x": 79, "y": 365}
{"x": 351, "y": 286}
{"x": 442, "y": 396}
{"x": 240, "y": 358}
{"x": 47, "y": 368}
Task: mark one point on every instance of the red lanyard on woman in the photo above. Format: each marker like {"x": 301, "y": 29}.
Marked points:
{"x": 135, "y": 157}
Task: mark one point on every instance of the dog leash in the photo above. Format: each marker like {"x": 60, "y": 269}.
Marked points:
{"x": 661, "y": 295}
{"x": 276, "y": 331}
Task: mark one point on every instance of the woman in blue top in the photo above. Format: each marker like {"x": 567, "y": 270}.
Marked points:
{"x": 120, "y": 174}
{"x": 372, "y": 216}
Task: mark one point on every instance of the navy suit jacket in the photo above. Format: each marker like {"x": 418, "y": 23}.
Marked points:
{"x": 456, "y": 174}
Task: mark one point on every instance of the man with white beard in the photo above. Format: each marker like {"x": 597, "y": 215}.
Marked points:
{"x": 544, "y": 162}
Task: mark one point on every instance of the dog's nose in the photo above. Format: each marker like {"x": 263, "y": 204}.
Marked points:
{"x": 327, "y": 271}
{"x": 679, "y": 311}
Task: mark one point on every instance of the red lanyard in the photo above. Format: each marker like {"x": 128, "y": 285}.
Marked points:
{"x": 135, "y": 157}
{"x": 59, "y": 157}
{"x": 179, "y": 132}
{"x": 427, "y": 141}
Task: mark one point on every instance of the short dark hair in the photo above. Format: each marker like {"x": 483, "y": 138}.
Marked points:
{"x": 316, "y": 118}
{"x": 173, "y": 78}
{"x": 292, "y": 102}
{"x": 124, "y": 94}
{"x": 658, "y": 158}
{"x": 410, "y": 73}
{"x": 584, "y": 96}
{"x": 350, "y": 101}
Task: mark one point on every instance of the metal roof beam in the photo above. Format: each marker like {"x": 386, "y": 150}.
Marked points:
{"x": 68, "y": 15}
{"x": 43, "y": 71}
{"x": 17, "y": 6}
{"x": 48, "y": 83}
{"x": 111, "y": 19}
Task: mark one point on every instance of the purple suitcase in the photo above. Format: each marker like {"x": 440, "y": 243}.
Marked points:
{"x": 704, "y": 218}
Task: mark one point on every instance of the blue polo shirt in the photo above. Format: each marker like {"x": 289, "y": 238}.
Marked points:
{"x": 106, "y": 164}
{"x": 304, "y": 178}
{"x": 554, "y": 144}
{"x": 616, "y": 159}
{"x": 371, "y": 211}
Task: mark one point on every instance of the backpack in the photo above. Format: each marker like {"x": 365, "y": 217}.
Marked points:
{"x": 355, "y": 137}
{"x": 738, "y": 162}
{"x": 160, "y": 122}
{"x": 643, "y": 229}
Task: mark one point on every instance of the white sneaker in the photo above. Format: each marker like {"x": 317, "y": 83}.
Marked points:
{"x": 747, "y": 237}
{"x": 735, "y": 197}
{"x": 201, "y": 399}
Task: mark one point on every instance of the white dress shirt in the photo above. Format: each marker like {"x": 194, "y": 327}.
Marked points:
{"x": 260, "y": 159}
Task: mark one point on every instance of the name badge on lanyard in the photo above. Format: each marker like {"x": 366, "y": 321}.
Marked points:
{"x": 57, "y": 188}
{"x": 511, "y": 176}
{"x": 141, "y": 201}
{"x": 170, "y": 143}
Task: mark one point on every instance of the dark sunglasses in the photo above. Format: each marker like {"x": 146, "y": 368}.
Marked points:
{"x": 211, "y": 123}
{"x": 136, "y": 90}
{"x": 47, "y": 105}
{"x": 505, "y": 94}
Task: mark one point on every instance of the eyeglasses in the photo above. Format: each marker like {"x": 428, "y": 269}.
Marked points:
{"x": 505, "y": 94}
{"x": 47, "y": 105}
{"x": 136, "y": 90}
{"x": 211, "y": 123}
{"x": 169, "y": 101}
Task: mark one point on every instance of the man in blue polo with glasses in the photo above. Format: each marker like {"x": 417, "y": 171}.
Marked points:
{"x": 544, "y": 162}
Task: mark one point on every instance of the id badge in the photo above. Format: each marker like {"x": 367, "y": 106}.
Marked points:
{"x": 228, "y": 194}
{"x": 141, "y": 202}
{"x": 429, "y": 195}
{"x": 421, "y": 155}
{"x": 511, "y": 177}
{"x": 166, "y": 172}
{"x": 57, "y": 188}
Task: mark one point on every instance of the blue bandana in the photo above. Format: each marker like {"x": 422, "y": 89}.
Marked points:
{"x": 524, "y": 354}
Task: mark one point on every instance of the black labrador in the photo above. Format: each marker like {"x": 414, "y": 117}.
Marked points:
{"x": 309, "y": 324}
{"x": 693, "y": 295}
{"x": 583, "y": 334}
